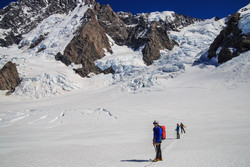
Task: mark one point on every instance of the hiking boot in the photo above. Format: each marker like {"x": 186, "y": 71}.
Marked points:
{"x": 160, "y": 159}
{"x": 155, "y": 160}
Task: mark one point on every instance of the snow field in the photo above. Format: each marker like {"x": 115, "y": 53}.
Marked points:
{"x": 106, "y": 128}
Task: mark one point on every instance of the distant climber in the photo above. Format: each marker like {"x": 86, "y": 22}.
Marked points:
{"x": 157, "y": 141}
{"x": 182, "y": 128}
{"x": 178, "y": 131}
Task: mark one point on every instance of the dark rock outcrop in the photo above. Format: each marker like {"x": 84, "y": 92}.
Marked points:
{"x": 230, "y": 42}
{"x": 158, "y": 40}
{"x": 111, "y": 23}
{"x": 9, "y": 77}
{"x": 38, "y": 41}
{"x": 87, "y": 46}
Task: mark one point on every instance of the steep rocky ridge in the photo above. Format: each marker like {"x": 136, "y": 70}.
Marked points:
{"x": 87, "y": 46}
{"x": 158, "y": 40}
{"x": 230, "y": 42}
{"x": 177, "y": 23}
{"x": 111, "y": 23}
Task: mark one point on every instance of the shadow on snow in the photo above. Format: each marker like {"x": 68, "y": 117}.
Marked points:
{"x": 136, "y": 160}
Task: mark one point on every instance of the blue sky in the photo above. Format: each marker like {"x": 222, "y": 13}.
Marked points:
{"x": 203, "y": 9}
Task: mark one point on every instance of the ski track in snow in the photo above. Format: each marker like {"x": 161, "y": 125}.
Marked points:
{"x": 166, "y": 146}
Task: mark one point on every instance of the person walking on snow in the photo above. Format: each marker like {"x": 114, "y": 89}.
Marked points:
{"x": 157, "y": 141}
{"x": 182, "y": 128}
{"x": 178, "y": 131}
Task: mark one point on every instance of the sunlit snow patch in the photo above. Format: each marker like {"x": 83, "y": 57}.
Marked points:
{"x": 167, "y": 16}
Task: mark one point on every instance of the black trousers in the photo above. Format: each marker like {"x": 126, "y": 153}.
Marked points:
{"x": 183, "y": 130}
{"x": 178, "y": 135}
{"x": 158, "y": 151}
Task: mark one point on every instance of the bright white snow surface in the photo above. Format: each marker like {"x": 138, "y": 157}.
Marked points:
{"x": 110, "y": 128}
{"x": 167, "y": 16}
{"x": 58, "y": 119}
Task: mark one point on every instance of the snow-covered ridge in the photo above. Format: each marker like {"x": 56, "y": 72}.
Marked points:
{"x": 58, "y": 30}
{"x": 166, "y": 16}
{"x": 174, "y": 21}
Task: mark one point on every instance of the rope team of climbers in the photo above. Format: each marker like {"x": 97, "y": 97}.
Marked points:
{"x": 160, "y": 135}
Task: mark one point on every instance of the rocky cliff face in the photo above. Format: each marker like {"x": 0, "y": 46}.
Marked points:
{"x": 9, "y": 77}
{"x": 111, "y": 23}
{"x": 87, "y": 46}
{"x": 230, "y": 42}
{"x": 157, "y": 40}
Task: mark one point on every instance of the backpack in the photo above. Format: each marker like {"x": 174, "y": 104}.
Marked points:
{"x": 163, "y": 135}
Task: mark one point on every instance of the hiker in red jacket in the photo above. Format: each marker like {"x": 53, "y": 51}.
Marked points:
{"x": 157, "y": 141}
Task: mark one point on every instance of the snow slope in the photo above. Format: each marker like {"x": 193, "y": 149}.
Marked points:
{"x": 107, "y": 127}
